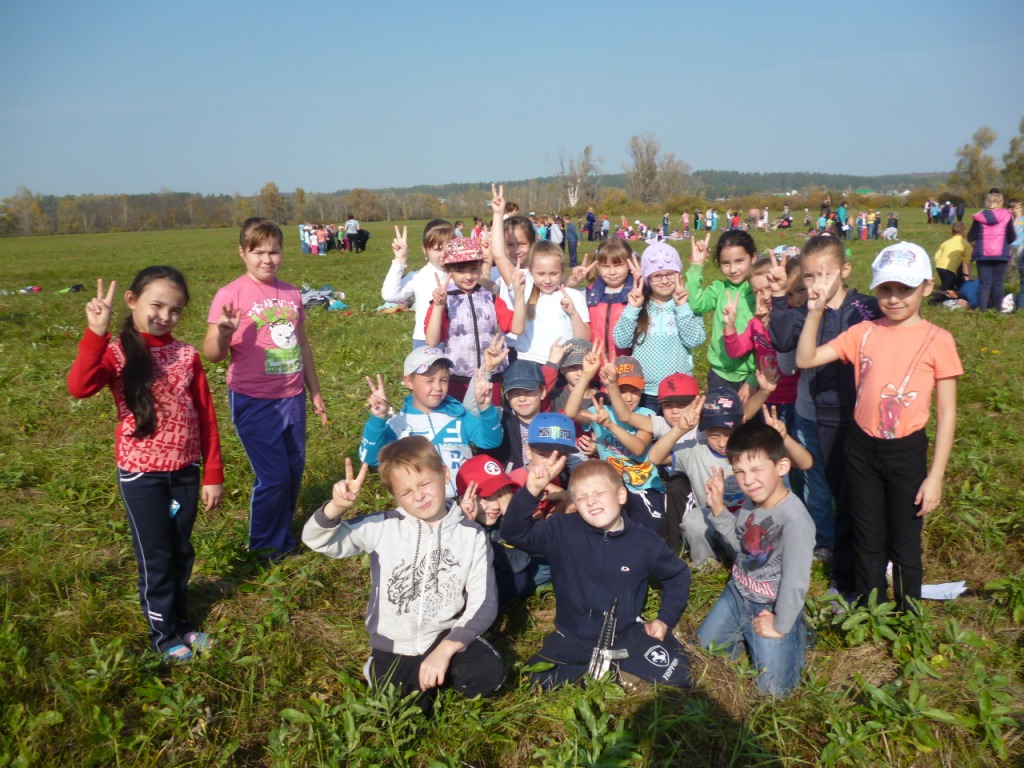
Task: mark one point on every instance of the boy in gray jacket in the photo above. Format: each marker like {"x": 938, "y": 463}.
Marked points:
{"x": 433, "y": 592}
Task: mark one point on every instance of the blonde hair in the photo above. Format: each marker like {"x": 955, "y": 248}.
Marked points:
{"x": 539, "y": 250}
{"x": 994, "y": 199}
{"x": 413, "y": 454}
{"x": 592, "y": 468}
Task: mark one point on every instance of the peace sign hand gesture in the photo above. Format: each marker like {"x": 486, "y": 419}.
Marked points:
{"x": 601, "y": 416}
{"x": 228, "y": 321}
{"x": 377, "y": 402}
{"x": 345, "y": 492}
{"x": 635, "y": 297}
{"x": 468, "y": 501}
{"x": 730, "y": 309}
{"x": 771, "y": 418}
{"x": 699, "y": 249}
{"x": 680, "y": 295}
{"x": 777, "y": 276}
{"x": 593, "y": 360}
{"x": 498, "y": 200}
{"x": 495, "y": 352}
{"x": 582, "y": 272}
{"x": 690, "y": 417}
{"x": 440, "y": 294}
{"x": 400, "y": 245}
{"x": 99, "y": 310}
{"x": 567, "y": 304}
{"x": 714, "y": 489}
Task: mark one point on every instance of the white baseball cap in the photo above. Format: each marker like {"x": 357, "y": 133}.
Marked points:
{"x": 420, "y": 360}
{"x": 905, "y": 263}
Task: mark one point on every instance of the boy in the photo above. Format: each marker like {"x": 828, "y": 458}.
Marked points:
{"x": 599, "y": 558}
{"x": 433, "y": 591}
{"x": 772, "y": 539}
{"x": 428, "y": 410}
{"x": 618, "y": 442}
{"x": 484, "y": 495}
{"x": 526, "y": 393}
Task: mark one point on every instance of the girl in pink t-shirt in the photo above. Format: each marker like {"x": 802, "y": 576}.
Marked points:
{"x": 898, "y": 362}
{"x": 259, "y": 319}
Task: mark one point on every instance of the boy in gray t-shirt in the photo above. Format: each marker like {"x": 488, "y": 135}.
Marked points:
{"x": 772, "y": 538}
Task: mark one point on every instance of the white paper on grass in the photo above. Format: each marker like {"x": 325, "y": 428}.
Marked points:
{"x": 948, "y": 591}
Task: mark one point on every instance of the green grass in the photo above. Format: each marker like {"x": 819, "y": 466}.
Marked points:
{"x": 283, "y": 685}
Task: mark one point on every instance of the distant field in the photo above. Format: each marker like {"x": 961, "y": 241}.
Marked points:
{"x": 283, "y": 685}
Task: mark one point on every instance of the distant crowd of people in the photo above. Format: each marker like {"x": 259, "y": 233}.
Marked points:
{"x": 319, "y": 239}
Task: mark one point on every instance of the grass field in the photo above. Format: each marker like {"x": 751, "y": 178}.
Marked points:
{"x": 283, "y": 685}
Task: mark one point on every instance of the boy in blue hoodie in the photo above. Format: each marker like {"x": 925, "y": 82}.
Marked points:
{"x": 428, "y": 410}
{"x": 599, "y": 559}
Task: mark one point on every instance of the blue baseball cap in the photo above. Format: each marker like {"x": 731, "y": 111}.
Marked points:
{"x": 552, "y": 430}
{"x": 522, "y": 374}
{"x": 722, "y": 408}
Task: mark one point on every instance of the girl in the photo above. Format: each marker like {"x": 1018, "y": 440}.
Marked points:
{"x": 352, "y": 233}
{"x": 617, "y": 272}
{"x": 735, "y": 256}
{"x": 166, "y": 423}
{"x": 552, "y": 310}
{"x": 992, "y": 231}
{"x": 400, "y": 287}
{"x": 897, "y": 362}
{"x": 658, "y": 323}
{"x": 260, "y": 321}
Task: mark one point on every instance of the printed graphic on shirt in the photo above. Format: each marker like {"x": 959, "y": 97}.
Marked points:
{"x": 431, "y": 580}
{"x": 275, "y": 321}
{"x": 758, "y": 542}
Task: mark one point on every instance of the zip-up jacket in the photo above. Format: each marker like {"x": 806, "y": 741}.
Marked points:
{"x": 605, "y": 310}
{"x": 991, "y": 232}
{"x": 424, "y": 581}
{"x": 590, "y": 568}
{"x": 831, "y": 386}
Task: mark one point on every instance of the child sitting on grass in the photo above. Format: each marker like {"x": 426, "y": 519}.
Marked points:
{"x": 772, "y": 538}
{"x": 600, "y": 559}
{"x": 428, "y": 410}
{"x": 433, "y": 591}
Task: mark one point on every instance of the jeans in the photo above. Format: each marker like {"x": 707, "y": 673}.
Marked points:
{"x": 817, "y": 496}
{"x": 1020, "y": 288}
{"x": 991, "y": 279}
{"x": 778, "y": 660}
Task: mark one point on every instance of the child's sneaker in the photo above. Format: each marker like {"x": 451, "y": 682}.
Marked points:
{"x": 198, "y": 641}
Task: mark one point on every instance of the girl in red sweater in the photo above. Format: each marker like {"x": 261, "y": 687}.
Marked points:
{"x": 167, "y": 424}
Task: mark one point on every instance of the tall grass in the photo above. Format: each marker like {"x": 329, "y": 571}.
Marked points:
{"x": 283, "y": 684}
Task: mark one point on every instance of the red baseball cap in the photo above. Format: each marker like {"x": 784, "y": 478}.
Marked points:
{"x": 486, "y": 472}
{"x": 678, "y": 386}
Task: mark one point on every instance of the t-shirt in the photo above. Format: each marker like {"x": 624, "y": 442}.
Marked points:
{"x": 895, "y": 369}
{"x": 951, "y": 253}
{"x": 266, "y": 359}
{"x": 692, "y": 456}
{"x": 638, "y": 473}
{"x": 549, "y": 322}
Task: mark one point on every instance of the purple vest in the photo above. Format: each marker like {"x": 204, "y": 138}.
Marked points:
{"x": 472, "y": 322}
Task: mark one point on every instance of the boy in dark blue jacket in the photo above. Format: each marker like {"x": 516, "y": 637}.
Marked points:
{"x": 598, "y": 557}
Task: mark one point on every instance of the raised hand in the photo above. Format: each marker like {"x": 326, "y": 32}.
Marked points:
{"x": 609, "y": 373}
{"x": 635, "y": 297}
{"x": 345, "y": 492}
{"x": 767, "y": 376}
{"x": 377, "y": 402}
{"x": 679, "y": 294}
{"x": 468, "y": 501}
{"x": 440, "y": 294}
{"x": 495, "y": 353}
{"x": 400, "y": 245}
{"x": 699, "y": 249}
{"x": 99, "y": 310}
{"x": 771, "y": 418}
{"x": 557, "y": 351}
{"x": 582, "y": 272}
{"x": 594, "y": 359}
{"x": 541, "y": 473}
{"x": 714, "y": 489}
{"x": 634, "y": 268}
{"x": 498, "y": 202}
{"x": 820, "y": 289}
{"x": 587, "y": 444}
{"x": 483, "y": 389}
{"x": 567, "y": 305}
{"x": 690, "y": 417}
{"x": 518, "y": 278}
{"x": 777, "y": 280}
{"x": 730, "y": 310}
{"x": 601, "y": 415}
{"x": 228, "y": 321}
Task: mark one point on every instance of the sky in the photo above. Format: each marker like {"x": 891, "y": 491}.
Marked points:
{"x": 222, "y": 97}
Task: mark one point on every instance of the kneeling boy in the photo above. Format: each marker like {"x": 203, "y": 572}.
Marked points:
{"x": 599, "y": 557}
{"x": 433, "y": 591}
{"x": 773, "y": 539}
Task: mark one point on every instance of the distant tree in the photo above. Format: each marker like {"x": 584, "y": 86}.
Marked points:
{"x": 70, "y": 217}
{"x": 299, "y": 205}
{"x": 975, "y": 171}
{"x": 364, "y": 204}
{"x": 642, "y": 171}
{"x": 272, "y": 203}
{"x": 578, "y": 175}
{"x": 1013, "y": 163}
{"x": 242, "y": 209}
{"x": 673, "y": 176}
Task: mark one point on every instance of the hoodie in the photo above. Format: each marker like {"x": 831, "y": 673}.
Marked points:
{"x": 424, "y": 581}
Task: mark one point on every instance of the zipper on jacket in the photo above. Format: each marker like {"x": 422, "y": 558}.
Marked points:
{"x": 476, "y": 329}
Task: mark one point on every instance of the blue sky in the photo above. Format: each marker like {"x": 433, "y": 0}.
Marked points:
{"x": 217, "y": 97}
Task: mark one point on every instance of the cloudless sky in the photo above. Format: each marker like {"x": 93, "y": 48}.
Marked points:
{"x": 217, "y": 96}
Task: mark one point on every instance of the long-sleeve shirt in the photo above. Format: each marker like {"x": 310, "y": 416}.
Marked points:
{"x": 713, "y": 298}
{"x": 754, "y": 338}
{"x": 419, "y": 286}
{"x": 673, "y": 332}
{"x": 773, "y": 555}
{"x": 590, "y": 568}
{"x": 425, "y": 580}
{"x": 186, "y": 424}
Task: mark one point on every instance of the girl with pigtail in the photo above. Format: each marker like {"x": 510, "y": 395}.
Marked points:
{"x": 167, "y": 427}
